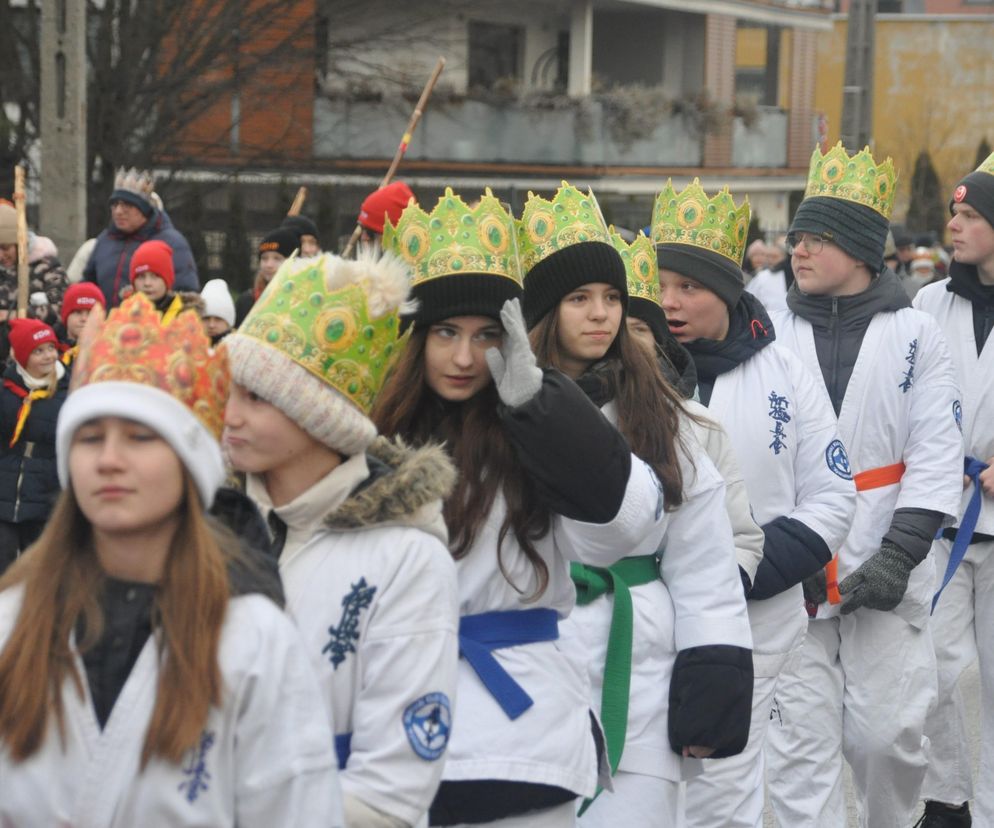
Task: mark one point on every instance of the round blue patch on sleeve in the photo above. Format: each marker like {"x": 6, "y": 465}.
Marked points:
{"x": 427, "y": 722}
{"x": 958, "y": 415}
{"x": 838, "y": 460}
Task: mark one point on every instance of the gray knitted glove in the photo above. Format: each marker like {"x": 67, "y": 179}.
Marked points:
{"x": 815, "y": 588}
{"x": 512, "y": 366}
{"x": 880, "y": 582}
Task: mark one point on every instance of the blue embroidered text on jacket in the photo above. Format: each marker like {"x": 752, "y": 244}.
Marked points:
{"x": 779, "y": 415}
{"x": 195, "y": 768}
{"x": 346, "y": 634}
{"x": 909, "y": 375}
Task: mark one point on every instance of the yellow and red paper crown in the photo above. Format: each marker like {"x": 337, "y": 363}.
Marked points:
{"x": 133, "y": 345}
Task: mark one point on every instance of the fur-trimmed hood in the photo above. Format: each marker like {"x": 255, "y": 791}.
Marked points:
{"x": 406, "y": 487}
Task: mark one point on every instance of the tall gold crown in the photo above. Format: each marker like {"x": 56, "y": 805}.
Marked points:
{"x": 641, "y": 266}
{"x": 139, "y": 182}
{"x": 456, "y": 238}
{"x": 545, "y": 227}
{"x": 690, "y": 217}
{"x": 856, "y": 178}
{"x": 133, "y": 345}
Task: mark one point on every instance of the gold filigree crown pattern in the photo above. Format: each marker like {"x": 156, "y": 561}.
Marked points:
{"x": 690, "y": 217}
{"x": 856, "y": 178}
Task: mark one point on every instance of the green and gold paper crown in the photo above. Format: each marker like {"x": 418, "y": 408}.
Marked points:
{"x": 987, "y": 166}
{"x": 546, "y": 227}
{"x": 336, "y": 318}
{"x": 641, "y": 267}
{"x": 691, "y": 218}
{"x": 455, "y": 238}
{"x": 858, "y": 178}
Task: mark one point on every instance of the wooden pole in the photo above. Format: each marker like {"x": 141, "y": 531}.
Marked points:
{"x": 22, "y": 242}
{"x": 298, "y": 202}
{"x": 405, "y": 141}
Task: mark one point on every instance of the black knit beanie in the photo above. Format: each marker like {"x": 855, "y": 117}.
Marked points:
{"x": 282, "y": 240}
{"x": 567, "y": 269}
{"x": 711, "y": 269}
{"x": 653, "y": 316}
{"x": 977, "y": 190}
{"x": 859, "y": 230}
{"x": 133, "y": 198}
{"x": 462, "y": 294}
{"x": 302, "y": 226}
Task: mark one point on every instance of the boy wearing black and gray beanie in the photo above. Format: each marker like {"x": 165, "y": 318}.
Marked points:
{"x": 865, "y": 678}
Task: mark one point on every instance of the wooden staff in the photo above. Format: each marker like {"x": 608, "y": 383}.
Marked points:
{"x": 22, "y": 242}
{"x": 298, "y": 202}
{"x": 405, "y": 141}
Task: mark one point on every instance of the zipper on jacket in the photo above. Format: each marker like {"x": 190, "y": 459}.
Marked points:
{"x": 833, "y": 326}
{"x": 17, "y": 491}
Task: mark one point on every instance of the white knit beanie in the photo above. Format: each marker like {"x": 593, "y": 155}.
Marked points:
{"x": 319, "y": 342}
{"x": 218, "y": 301}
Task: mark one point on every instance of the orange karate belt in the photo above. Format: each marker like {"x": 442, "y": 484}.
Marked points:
{"x": 869, "y": 479}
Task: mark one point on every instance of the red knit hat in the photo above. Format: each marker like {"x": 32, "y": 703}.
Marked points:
{"x": 154, "y": 257}
{"x": 81, "y": 296}
{"x": 388, "y": 201}
{"x": 26, "y": 335}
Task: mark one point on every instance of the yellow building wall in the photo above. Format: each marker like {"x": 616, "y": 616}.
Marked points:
{"x": 933, "y": 90}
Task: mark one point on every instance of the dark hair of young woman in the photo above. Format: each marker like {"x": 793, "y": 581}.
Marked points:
{"x": 478, "y": 445}
{"x": 649, "y": 408}
{"x": 61, "y": 579}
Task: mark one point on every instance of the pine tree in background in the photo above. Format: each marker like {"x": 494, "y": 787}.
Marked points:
{"x": 983, "y": 152}
{"x": 236, "y": 265}
{"x": 754, "y": 232}
{"x": 927, "y": 210}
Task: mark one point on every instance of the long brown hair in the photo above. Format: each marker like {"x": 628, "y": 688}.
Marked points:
{"x": 649, "y": 408}
{"x": 62, "y": 578}
{"x": 482, "y": 454}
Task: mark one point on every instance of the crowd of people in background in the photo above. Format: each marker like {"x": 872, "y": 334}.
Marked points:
{"x": 510, "y": 520}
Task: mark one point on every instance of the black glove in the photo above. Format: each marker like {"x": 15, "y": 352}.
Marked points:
{"x": 880, "y": 582}
{"x": 711, "y": 699}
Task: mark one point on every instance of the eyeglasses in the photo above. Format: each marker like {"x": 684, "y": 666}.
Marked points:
{"x": 814, "y": 243}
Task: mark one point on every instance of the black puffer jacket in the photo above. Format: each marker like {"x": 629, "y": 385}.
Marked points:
{"x": 29, "y": 481}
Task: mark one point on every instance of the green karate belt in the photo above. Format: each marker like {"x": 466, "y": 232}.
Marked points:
{"x": 591, "y": 583}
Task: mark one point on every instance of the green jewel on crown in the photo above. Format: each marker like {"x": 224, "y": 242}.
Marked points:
{"x": 329, "y": 332}
{"x": 691, "y": 218}
{"x": 455, "y": 238}
{"x": 546, "y": 227}
{"x": 641, "y": 268}
{"x": 856, "y": 178}
{"x": 988, "y": 165}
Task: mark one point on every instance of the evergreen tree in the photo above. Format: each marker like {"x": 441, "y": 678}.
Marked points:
{"x": 983, "y": 152}
{"x": 927, "y": 210}
{"x": 236, "y": 264}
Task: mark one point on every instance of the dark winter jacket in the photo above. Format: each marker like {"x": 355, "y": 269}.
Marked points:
{"x": 29, "y": 481}
{"x": 111, "y": 259}
{"x": 791, "y": 550}
{"x": 964, "y": 281}
{"x": 839, "y": 324}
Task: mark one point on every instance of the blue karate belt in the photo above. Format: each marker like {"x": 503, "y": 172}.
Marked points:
{"x": 343, "y": 747}
{"x": 480, "y": 635}
{"x": 972, "y": 467}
